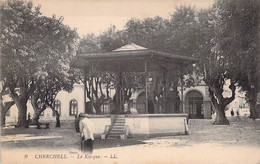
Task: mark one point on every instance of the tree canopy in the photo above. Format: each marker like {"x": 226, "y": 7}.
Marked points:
{"x": 239, "y": 36}
{"x": 32, "y": 45}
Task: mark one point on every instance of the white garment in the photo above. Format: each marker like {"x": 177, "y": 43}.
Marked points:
{"x": 86, "y": 128}
{"x": 133, "y": 111}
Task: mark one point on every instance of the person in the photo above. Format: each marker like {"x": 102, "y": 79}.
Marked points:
{"x": 77, "y": 119}
{"x": 133, "y": 111}
{"x": 232, "y": 112}
{"x": 28, "y": 121}
{"x": 238, "y": 115}
{"x": 126, "y": 108}
{"x": 29, "y": 118}
{"x": 237, "y": 112}
{"x": 86, "y": 129}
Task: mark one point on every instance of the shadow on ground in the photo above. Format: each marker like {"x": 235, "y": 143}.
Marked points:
{"x": 241, "y": 131}
{"x": 64, "y": 137}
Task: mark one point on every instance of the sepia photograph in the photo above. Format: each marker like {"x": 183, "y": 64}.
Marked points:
{"x": 130, "y": 81}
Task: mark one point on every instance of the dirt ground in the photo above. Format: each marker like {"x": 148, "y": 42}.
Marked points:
{"x": 206, "y": 143}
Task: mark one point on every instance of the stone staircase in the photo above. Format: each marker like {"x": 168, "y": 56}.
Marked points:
{"x": 117, "y": 130}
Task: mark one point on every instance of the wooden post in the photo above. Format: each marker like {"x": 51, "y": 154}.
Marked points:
{"x": 164, "y": 92}
{"x": 84, "y": 87}
{"x": 91, "y": 86}
{"x": 120, "y": 92}
{"x": 146, "y": 87}
{"x": 182, "y": 101}
{"x": 174, "y": 93}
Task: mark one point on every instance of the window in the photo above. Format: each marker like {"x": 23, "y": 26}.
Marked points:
{"x": 73, "y": 107}
{"x": 8, "y": 112}
{"x": 105, "y": 108}
{"x": 57, "y": 107}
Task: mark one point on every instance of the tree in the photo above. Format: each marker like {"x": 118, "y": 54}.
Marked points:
{"x": 153, "y": 33}
{"x": 30, "y": 42}
{"x": 17, "y": 57}
{"x": 5, "y": 105}
{"x": 240, "y": 22}
{"x": 89, "y": 44}
{"x": 93, "y": 80}
{"x": 218, "y": 66}
{"x": 183, "y": 31}
{"x": 182, "y": 39}
{"x": 125, "y": 83}
{"x": 112, "y": 39}
{"x": 46, "y": 91}
{"x": 198, "y": 34}
{"x": 57, "y": 74}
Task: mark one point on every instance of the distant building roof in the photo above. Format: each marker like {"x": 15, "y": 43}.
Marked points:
{"x": 130, "y": 47}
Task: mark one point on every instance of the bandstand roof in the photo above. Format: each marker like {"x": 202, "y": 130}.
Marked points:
{"x": 131, "y": 58}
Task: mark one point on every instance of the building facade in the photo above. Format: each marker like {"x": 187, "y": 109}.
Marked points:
{"x": 196, "y": 101}
{"x": 67, "y": 104}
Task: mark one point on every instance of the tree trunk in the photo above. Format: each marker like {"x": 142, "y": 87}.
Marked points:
{"x": 220, "y": 103}
{"x": 3, "y": 116}
{"x": 4, "y": 109}
{"x": 252, "y": 101}
{"x": 37, "y": 110}
{"x": 97, "y": 107}
{"x": 98, "y": 100}
{"x": 57, "y": 118}
{"x": 116, "y": 102}
{"x": 221, "y": 118}
{"x": 22, "y": 112}
{"x": 37, "y": 113}
{"x": 56, "y": 114}
{"x": 21, "y": 103}
{"x": 36, "y": 117}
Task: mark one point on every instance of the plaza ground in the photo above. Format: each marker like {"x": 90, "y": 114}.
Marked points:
{"x": 206, "y": 143}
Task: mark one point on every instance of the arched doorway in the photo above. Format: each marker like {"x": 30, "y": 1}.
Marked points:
{"x": 194, "y": 104}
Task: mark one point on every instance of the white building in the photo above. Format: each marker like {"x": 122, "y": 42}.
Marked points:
{"x": 196, "y": 104}
{"x": 67, "y": 104}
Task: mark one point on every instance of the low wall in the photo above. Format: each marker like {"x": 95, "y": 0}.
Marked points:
{"x": 138, "y": 124}
{"x": 100, "y": 122}
{"x": 147, "y": 125}
{"x": 156, "y": 124}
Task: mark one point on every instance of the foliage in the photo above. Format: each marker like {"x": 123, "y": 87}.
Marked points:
{"x": 240, "y": 37}
{"x": 150, "y": 32}
{"x": 223, "y": 37}
{"x": 57, "y": 74}
{"x": 227, "y": 49}
{"x": 32, "y": 45}
{"x": 111, "y": 39}
{"x": 88, "y": 44}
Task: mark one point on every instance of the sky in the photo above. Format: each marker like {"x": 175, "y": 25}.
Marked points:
{"x": 95, "y": 16}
